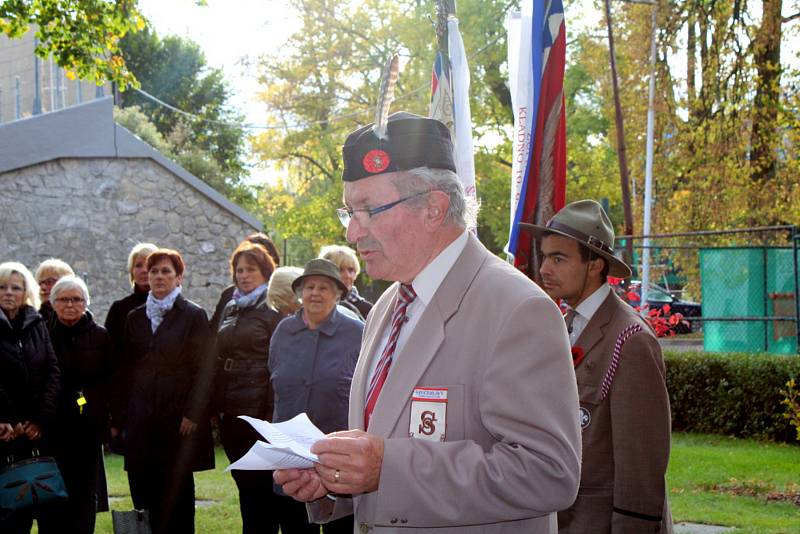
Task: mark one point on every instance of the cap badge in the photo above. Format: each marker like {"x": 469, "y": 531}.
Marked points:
{"x": 376, "y": 161}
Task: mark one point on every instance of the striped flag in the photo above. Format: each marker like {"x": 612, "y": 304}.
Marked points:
{"x": 537, "y": 54}
{"x": 442, "y": 92}
{"x": 450, "y": 103}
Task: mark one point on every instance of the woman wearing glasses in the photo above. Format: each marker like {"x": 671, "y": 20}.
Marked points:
{"x": 83, "y": 348}
{"x": 47, "y": 274}
{"x": 29, "y": 377}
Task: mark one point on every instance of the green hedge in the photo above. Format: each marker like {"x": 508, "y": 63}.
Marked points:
{"x": 732, "y": 394}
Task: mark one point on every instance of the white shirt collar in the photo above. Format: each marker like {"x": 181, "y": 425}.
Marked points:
{"x": 430, "y": 278}
{"x": 589, "y": 306}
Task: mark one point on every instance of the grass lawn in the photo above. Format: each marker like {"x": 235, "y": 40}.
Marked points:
{"x": 735, "y": 482}
{"x": 219, "y": 514}
{"x": 712, "y": 479}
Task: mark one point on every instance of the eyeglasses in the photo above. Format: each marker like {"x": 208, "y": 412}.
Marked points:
{"x": 48, "y": 282}
{"x": 11, "y": 287}
{"x": 346, "y": 214}
{"x": 67, "y": 301}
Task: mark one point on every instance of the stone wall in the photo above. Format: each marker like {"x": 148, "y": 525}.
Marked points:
{"x": 90, "y": 212}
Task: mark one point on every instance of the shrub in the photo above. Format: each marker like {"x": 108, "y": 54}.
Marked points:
{"x": 731, "y": 394}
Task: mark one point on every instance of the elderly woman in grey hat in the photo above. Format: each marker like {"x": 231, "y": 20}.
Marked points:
{"x": 312, "y": 357}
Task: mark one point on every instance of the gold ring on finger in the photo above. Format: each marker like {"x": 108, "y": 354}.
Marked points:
{"x": 336, "y": 476}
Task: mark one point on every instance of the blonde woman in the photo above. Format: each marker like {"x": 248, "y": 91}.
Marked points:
{"x": 115, "y": 323}
{"x": 346, "y": 260}
{"x": 47, "y": 274}
{"x": 280, "y": 295}
{"x": 29, "y": 375}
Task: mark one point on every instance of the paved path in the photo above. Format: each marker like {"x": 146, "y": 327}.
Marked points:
{"x": 696, "y": 528}
{"x": 678, "y": 344}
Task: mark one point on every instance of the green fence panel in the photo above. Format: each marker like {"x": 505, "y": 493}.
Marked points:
{"x": 743, "y": 282}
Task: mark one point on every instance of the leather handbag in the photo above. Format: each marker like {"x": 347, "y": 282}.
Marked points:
{"x": 29, "y": 484}
{"x": 131, "y": 522}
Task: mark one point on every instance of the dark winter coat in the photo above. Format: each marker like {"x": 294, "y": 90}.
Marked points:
{"x": 29, "y": 374}
{"x": 115, "y": 325}
{"x": 84, "y": 357}
{"x": 242, "y": 384}
{"x": 48, "y": 314}
{"x": 170, "y": 378}
{"x": 358, "y": 302}
{"x": 118, "y": 314}
{"x": 224, "y": 299}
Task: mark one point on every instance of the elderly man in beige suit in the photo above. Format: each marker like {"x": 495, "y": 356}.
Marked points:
{"x": 463, "y": 405}
{"x": 624, "y": 409}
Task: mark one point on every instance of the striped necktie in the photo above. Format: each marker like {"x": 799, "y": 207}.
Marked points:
{"x": 405, "y": 296}
{"x": 569, "y": 318}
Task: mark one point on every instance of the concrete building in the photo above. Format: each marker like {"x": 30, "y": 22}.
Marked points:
{"x": 19, "y": 68}
{"x": 77, "y": 186}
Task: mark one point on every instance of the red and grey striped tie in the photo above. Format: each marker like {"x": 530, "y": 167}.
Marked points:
{"x": 405, "y": 296}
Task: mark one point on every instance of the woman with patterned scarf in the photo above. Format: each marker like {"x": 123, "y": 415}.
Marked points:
{"x": 242, "y": 384}
{"x": 166, "y": 418}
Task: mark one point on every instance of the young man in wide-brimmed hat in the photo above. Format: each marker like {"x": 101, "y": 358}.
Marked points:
{"x": 624, "y": 406}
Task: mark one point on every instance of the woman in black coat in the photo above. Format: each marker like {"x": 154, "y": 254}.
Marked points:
{"x": 242, "y": 385}
{"x": 115, "y": 325}
{"x": 168, "y": 435}
{"x": 29, "y": 376}
{"x": 83, "y": 349}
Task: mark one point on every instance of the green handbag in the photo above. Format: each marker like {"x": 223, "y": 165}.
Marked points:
{"x": 29, "y": 484}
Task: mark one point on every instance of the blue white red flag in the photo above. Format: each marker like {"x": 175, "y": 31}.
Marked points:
{"x": 536, "y": 59}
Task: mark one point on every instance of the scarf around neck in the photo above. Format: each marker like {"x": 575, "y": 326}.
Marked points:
{"x": 245, "y": 300}
{"x": 156, "y": 309}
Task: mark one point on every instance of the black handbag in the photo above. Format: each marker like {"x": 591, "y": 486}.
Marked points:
{"x": 29, "y": 484}
{"x": 131, "y": 522}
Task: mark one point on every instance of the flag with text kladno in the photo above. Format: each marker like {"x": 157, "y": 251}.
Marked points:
{"x": 536, "y": 58}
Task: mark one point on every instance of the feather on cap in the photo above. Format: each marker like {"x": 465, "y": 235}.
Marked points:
{"x": 386, "y": 96}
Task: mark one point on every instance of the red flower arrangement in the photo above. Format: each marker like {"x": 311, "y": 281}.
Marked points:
{"x": 577, "y": 356}
{"x": 660, "y": 319}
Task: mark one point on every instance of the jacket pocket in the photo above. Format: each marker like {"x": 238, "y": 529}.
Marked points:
{"x": 422, "y": 422}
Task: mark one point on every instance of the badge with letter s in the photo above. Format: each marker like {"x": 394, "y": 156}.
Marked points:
{"x": 428, "y": 414}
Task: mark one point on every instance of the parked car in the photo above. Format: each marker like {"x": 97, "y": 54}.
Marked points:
{"x": 659, "y": 298}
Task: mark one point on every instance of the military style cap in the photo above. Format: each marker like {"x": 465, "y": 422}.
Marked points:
{"x": 411, "y": 141}
{"x": 586, "y": 222}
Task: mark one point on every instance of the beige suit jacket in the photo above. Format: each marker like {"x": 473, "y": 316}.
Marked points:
{"x": 626, "y": 436}
{"x": 511, "y": 455}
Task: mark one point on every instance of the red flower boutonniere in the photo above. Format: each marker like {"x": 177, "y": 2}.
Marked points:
{"x": 577, "y": 356}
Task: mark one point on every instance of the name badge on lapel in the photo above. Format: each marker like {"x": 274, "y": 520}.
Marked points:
{"x": 428, "y": 414}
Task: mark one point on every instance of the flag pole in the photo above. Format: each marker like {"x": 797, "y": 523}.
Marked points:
{"x": 648, "y": 175}
{"x": 624, "y": 176}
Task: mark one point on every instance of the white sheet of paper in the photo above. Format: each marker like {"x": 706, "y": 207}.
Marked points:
{"x": 298, "y": 433}
{"x": 263, "y": 456}
{"x": 289, "y": 445}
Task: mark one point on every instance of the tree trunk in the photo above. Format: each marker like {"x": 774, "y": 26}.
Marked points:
{"x": 767, "y": 59}
{"x": 691, "y": 57}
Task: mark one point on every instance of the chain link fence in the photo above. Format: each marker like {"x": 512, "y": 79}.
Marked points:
{"x": 745, "y": 280}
